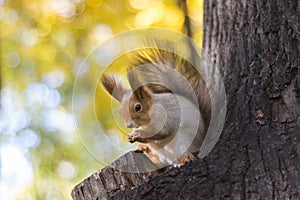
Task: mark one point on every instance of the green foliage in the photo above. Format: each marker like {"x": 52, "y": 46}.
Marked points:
{"x": 43, "y": 44}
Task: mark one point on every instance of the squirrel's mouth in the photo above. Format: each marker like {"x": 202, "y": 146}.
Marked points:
{"x": 136, "y": 126}
{"x": 132, "y": 125}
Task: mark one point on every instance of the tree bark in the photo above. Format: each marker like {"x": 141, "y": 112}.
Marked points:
{"x": 256, "y": 45}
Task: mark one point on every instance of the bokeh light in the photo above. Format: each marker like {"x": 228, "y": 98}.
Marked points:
{"x": 45, "y": 45}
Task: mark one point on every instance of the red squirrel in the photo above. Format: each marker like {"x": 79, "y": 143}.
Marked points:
{"x": 168, "y": 122}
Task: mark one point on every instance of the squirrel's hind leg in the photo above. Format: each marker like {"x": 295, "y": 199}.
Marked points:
{"x": 147, "y": 151}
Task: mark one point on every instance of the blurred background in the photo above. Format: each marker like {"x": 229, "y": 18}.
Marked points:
{"x": 43, "y": 44}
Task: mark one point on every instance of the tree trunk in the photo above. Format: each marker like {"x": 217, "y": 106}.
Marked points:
{"x": 256, "y": 45}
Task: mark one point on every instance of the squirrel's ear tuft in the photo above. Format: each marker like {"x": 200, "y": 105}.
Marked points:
{"x": 112, "y": 86}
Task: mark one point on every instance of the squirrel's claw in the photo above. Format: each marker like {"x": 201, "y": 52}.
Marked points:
{"x": 184, "y": 160}
{"x": 130, "y": 138}
{"x": 133, "y": 136}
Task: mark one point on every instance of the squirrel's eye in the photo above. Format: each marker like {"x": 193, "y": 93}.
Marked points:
{"x": 137, "y": 107}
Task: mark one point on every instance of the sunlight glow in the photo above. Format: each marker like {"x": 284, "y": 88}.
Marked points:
{"x": 13, "y": 118}
{"x": 66, "y": 170}
{"x": 1, "y": 12}
{"x": 39, "y": 94}
{"x": 29, "y": 138}
{"x": 13, "y": 59}
{"x": 54, "y": 79}
{"x": 64, "y": 8}
{"x": 59, "y": 120}
{"x": 2, "y": 2}
{"x": 29, "y": 37}
{"x": 11, "y": 16}
{"x": 149, "y": 16}
{"x": 16, "y": 171}
{"x": 64, "y": 37}
{"x": 102, "y": 32}
{"x": 139, "y": 4}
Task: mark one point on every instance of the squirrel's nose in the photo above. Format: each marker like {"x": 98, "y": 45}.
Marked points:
{"x": 129, "y": 125}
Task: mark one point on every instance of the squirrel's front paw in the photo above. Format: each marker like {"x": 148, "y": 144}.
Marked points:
{"x": 133, "y": 136}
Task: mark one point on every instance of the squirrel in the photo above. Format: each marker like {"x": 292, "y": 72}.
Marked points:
{"x": 167, "y": 121}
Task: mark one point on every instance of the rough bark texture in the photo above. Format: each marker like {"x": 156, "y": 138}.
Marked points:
{"x": 109, "y": 182}
{"x": 256, "y": 45}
